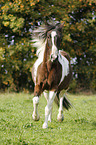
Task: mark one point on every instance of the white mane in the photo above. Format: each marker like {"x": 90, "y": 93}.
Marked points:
{"x": 38, "y": 41}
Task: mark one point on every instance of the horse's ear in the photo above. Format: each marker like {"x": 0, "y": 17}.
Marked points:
{"x": 46, "y": 23}
{"x": 60, "y": 26}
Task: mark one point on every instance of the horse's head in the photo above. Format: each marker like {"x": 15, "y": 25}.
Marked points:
{"x": 47, "y": 39}
{"x": 54, "y": 37}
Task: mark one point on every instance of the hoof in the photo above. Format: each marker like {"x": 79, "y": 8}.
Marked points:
{"x": 36, "y": 118}
{"x": 45, "y": 125}
{"x": 60, "y": 118}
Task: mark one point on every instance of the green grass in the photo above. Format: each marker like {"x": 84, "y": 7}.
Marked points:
{"x": 18, "y": 128}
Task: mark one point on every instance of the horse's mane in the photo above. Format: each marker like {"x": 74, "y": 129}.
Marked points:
{"x": 39, "y": 35}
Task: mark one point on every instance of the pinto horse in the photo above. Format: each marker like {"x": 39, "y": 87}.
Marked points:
{"x": 51, "y": 72}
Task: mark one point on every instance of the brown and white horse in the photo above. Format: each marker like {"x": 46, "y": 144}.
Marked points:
{"x": 51, "y": 71}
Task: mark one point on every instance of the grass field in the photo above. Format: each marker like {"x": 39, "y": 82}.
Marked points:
{"x": 18, "y": 128}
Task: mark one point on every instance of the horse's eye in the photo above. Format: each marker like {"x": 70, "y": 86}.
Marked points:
{"x": 48, "y": 37}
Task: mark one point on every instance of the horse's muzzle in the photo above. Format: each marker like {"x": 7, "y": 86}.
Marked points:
{"x": 53, "y": 57}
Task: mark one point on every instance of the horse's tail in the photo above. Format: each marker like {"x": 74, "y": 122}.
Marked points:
{"x": 66, "y": 102}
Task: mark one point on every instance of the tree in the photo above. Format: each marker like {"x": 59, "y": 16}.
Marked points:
{"x": 18, "y": 18}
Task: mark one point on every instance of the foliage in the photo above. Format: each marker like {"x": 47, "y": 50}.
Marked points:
{"x": 18, "y": 18}
{"x": 17, "y": 126}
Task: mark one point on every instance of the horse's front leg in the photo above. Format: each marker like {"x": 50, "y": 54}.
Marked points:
{"x": 46, "y": 95}
{"x": 37, "y": 92}
{"x": 48, "y": 108}
{"x": 35, "y": 112}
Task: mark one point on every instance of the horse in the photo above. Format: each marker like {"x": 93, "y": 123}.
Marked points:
{"x": 51, "y": 72}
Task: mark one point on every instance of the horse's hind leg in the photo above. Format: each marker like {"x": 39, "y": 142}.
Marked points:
{"x": 60, "y": 116}
{"x": 48, "y": 108}
{"x": 46, "y": 95}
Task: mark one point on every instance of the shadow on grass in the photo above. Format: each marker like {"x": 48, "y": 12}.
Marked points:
{"x": 81, "y": 120}
{"x": 85, "y": 122}
{"x": 94, "y": 124}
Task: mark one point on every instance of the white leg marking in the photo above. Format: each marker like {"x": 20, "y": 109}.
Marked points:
{"x": 46, "y": 95}
{"x": 60, "y": 116}
{"x": 65, "y": 66}
{"x": 48, "y": 108}
{"x": 35, "y": 112}
{"x": 50, "y": 116}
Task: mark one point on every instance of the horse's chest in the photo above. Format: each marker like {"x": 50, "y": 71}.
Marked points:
{"x": 54, "y": 73}
{"x": 51, "y": 72}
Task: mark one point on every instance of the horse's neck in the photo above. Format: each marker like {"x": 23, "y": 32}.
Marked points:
{"x": 46, "y": 54}
{"x": 47, "y": 64}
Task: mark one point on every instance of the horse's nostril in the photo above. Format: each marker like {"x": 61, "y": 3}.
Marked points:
{"x": 51, "y": 56}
